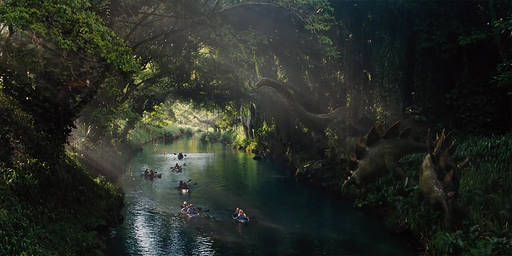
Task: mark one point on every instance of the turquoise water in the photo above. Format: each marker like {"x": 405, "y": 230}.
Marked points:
{"x": 287, "y": 218}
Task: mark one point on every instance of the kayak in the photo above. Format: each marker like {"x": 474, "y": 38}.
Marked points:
{"x": 174, "y": 169}
{"x": 158, "y": 175}
{"x": 242, "y": 221}
{"x": 195, "y": 215}
{"x": 190, "y": 215}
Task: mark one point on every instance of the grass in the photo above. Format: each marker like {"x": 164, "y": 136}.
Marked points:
{"x": 144, "y": 133}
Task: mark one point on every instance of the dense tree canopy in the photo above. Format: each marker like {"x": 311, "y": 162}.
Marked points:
{"x": 357, "y": 55}
{"x": 55, "y": 57}
{"x": 109, "y": 62}
{"x": 303, "y": 79}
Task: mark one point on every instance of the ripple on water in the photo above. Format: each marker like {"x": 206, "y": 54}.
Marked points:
{"x": 204, "y": 246}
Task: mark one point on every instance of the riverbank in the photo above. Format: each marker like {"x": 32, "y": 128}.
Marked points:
{"x": 55, "y": 209}
{"x": 482, "y": 209}
{"x": 110, "y": 156}
{"x": 146, "y": 133}
{"x": 69, "y": 205}
{"x": 50, "y": 204}
{"x": 482, "y": 206}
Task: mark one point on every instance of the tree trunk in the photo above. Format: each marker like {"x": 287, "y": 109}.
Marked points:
{"x": 409, "y": 68}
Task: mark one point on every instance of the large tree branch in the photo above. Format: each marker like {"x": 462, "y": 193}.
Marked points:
{"x": 138, "y": 24}
{"x": 210, "y": 122}
{"x": 133, "y": 86}
{"x": 151, "y": 38}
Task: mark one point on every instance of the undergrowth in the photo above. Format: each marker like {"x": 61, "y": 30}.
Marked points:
{"x": 55, "y": 209}
{"x": 212, "y": 137}
{"x": 482, "y": 208}
{"x": 144, "y": 133}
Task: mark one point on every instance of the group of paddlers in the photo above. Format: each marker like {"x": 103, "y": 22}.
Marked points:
{"x": 177, "y": 168}
{"x": 191, "y": 211}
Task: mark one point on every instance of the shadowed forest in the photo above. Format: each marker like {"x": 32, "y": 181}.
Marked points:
{"x": 402, "y": 107}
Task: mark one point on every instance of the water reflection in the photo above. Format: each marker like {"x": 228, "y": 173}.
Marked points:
{"x": 145, "y": 240}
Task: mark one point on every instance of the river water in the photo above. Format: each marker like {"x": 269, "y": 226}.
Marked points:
{"x": 287, "y": 218}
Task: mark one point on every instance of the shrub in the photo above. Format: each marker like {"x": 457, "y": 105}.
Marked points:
{"x": 55, "y": 210}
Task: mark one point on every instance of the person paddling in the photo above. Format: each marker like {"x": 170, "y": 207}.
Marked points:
{"x": 191, "y": 210}
{"x": 183, "y": 185}
{"x": 241, "y": 216}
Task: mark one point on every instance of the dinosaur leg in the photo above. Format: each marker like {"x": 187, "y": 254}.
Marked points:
{"x": 446, "y": 210}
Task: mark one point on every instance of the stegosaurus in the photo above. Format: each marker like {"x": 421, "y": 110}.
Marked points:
{"x": 379, "y": 154}
{"x": 440, "y": 174}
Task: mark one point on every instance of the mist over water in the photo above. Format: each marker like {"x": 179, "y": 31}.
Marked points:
{"x": 287, "y": 217}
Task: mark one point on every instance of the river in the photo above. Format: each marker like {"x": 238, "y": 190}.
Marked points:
{"x": 287, "y": 217}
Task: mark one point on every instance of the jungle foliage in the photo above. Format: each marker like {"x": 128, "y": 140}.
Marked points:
{"x": 482, "y": 209}
{"x": 54, "y": 58}
{"x": 296, "y": 80}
